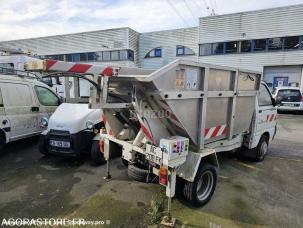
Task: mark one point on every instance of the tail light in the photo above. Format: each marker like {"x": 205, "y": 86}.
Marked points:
{"x": 101, "y": 145}
{"x": 302, "y": 99}
{"x": 163, "y": 175}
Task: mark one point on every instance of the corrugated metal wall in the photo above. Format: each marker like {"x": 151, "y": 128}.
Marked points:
{"x": 256, "y": 61}
{"x": 73, "y": 43}
{"x": 167, "y": 40}
{"x": 283, "y": 21}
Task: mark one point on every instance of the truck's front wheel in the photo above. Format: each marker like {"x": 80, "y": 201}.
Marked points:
{"x": 96, "y": 155}
{"x": 262, "y": 149}
{"x": 199, "y": 192}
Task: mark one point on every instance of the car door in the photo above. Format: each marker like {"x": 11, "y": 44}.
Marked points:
{"x": 18, "y": 103}
{"x": 47, "y": 102}
{"x": 266, "y": 115}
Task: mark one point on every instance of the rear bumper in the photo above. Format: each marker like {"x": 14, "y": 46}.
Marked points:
{"x": 291, "y": 106}
{"x": 80, "y": 143}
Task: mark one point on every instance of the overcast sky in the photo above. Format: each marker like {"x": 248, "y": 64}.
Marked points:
{"x": 35, "y": 18}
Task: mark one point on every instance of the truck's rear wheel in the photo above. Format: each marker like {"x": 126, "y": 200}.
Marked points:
{"x": 262, "y": 149}
{"x": 199, "y": 192}
{"x": 42, "y": 146}
{"x": 97, "y": 155}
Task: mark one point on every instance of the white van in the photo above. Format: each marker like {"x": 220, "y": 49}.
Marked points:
{"x": 25, "y": 104}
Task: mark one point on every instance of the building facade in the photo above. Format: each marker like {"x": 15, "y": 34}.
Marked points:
{"x": 268, "y": 40}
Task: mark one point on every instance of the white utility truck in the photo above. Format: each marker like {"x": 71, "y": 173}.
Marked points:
{"x": 73, "y": 129}
{"x": 179, "y": 117}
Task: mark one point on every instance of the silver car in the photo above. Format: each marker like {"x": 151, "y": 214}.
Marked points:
{"x": 288, "y": 98}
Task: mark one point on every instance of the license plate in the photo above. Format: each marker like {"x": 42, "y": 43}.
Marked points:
{"x": 62, "y": 144}
{"x": 289, "y": 105}
{"x": 154, "y": 154}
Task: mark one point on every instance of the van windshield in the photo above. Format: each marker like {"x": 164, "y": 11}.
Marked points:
{"x": 289, "y": 95}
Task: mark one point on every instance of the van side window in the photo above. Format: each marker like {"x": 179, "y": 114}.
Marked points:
{"x": 46, "y": 97}
{"x": 264, "y": 97}
{"x": 16, "y": 95}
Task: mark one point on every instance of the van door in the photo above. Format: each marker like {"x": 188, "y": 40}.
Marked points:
{"x": 18, "y": 104}
{"x": 266, "y": 116}
{"x": 47, "y": 101}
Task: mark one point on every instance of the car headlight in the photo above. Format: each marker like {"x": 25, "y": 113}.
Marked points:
{"x": 89, "y": 125}
{"x": 44, "y": 122}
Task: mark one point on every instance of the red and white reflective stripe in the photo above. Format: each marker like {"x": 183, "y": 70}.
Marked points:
{"x": 270, "y": 118}
{"x": 54, "y": 65}
{"x": 215, "y": 131}
{"x": 147, "y": 132}
{"x": 170, "y": 114}
{"x": 107, "y": 127}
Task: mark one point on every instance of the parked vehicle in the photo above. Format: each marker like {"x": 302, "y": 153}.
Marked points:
{"x": 25, "y": 105}
{"x": 181, "y": 116}
{"x": 288, "y": 98}
{"x": 73, "y": 130}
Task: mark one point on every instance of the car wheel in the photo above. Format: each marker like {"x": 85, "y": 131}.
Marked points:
{"x": 141, "y": 175}
{"x": 199, "y": 192}
{"x": 42, "y": 146}
{"x": 96, "y": 154}
{"x": 262, "y": 149}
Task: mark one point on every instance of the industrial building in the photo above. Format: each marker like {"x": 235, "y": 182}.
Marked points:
{"x": 269, "y": 40}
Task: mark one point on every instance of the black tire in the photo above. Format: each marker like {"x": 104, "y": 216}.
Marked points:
{"x": 42, "y": 146}
{"x": 141, "y": 175}
{"x": 2, "y": 144}
{"x": 191, "y": 190}
{"x": 262, "y": 149}
{"x": 96, "y": 155}
{"x": 124, "y": 162}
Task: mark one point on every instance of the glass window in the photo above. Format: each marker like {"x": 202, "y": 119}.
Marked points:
{"x": 246, "y": 45}
{"x": 130, "y": 55}
{"x": 114, "y": 55}
{"x": 83, "y": 57}
{"x": 275, "y": 43}
{"x": 291, "y": 42}
{"x": 106, "y": 55}
{"x": 22, "y": 98}
{"x": 180, "y": 50}
{"x": 46, "y": 97}
{"x": 91, "y": 56}
{"x": 123, "y": 55}
{"x": 289, "y": 95}
{"x": 231, "y": 47}
{"x": 218, "y": 48}
{"x": 205, "y": 49}
{"x": 264, "y": 97}
{"x": 99, "y": 56}
{"x": 158, "y": 52}
{"x": 259, "y": 45}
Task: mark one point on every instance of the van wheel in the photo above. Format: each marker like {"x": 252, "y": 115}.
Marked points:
{"x": 262, "y": 149}
{"x": 199, "y": 192}
{"x": 2, "y": 144}
{"x": 42, "y": 146}
{"x": 97, "y": 155}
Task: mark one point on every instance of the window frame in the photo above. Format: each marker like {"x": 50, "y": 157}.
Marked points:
{"x": 268, "y": 92}
{"x": 35, "y": 88}
{"x": 154, "y": 50}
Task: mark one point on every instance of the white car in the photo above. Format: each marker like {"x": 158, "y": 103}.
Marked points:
{"x": 25, "y": 104}
{"x": 288, "y": 98}
{"x": 73, "y": 130}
